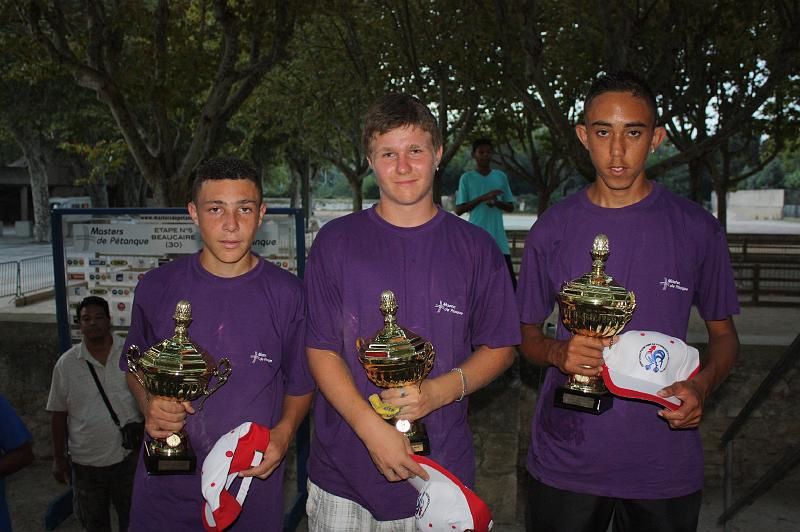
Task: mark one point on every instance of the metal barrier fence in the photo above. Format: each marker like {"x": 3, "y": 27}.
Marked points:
{"x": 36, "y": 273}
{"x": 768, "y": 284}
{"x": 766, "y": 267}
{"x": 9, "y": 278}
{"x": 19, "y": 278}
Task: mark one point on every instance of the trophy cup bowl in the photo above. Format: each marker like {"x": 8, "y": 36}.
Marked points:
{"x": 592, "y": 305}
{"x": 179, "y": 370}
{"x": 396, "y": 357}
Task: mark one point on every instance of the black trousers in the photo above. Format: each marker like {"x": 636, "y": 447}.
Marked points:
{"x": 553, "y": 510}
{"x": 97, "y": 488}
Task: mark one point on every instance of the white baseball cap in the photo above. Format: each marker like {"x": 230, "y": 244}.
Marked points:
{"x": 446, "y": 504}
{"x": 237, "y": 450}
{"x": 640, "y": 363}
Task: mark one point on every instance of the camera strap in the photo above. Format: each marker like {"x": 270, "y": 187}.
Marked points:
{"x": 103, "y": 394}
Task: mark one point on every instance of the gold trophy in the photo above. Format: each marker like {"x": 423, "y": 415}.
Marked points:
{"x": 592, "y": 305}
{"x": 178, "y": 370}
{"x": 393, "y": 358}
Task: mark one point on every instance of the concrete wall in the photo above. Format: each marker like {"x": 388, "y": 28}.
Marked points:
{"x": 753, "y": 204}
{"x": 28, "y": 352}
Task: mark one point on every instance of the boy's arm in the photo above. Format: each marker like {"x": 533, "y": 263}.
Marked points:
{"x": 162, "y": 416}
{"x": 723, "y": 346}
{"x": 580, "y": 355}
{"x": 16, "y": 459}
{"x": 388, "y": 448}
{"x": 467, "y": 206}
{"x": 502, "y": 205}
{"x": 58, "y": 432}
{"x": 482, "y": 367}
{"x": 295, "y": 408}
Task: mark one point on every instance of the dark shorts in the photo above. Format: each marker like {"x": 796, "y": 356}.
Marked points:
{"x": 97, "y": 488}
{"x": 553, "y": 510}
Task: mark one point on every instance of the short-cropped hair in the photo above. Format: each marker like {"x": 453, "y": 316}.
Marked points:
{"x": 477, "y": 143}
{"x": 397, "y": 110}
{"x": 225, "y": 168}
{"x": 92, "y": 300}
{"x": 622, "y": 82}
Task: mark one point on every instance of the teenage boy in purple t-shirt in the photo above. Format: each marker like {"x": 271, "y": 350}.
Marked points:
{"x": 637, "y": 462}
{"x": 452, "y": 287}
{"x": 245, "y": 309}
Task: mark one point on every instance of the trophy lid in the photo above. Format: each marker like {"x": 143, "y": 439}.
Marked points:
{"x": 178, "y": 356}
{"x": 596, "y": 291}
{"x": 393, "y": 341}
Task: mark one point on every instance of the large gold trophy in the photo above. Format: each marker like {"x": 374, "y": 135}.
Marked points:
{"x": 592, "y": 305}
{"x": 178, "y": 370}
{"x": 393, "y": 358}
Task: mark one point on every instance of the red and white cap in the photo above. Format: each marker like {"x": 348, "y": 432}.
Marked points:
{"x": 237, "y": 450}
{"x": 640, "y": 363}
{"x": 446, "y": 504}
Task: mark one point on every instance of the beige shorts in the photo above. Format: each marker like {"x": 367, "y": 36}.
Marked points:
{"x": 330, "y": 513}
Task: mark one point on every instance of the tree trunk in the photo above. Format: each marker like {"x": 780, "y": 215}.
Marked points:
{"x": 722, "y": 206}
{"x": 37, "y": 168}
{"x": 437, "y": 187}
{"x": 305, "y": 196}
{"x": 159, "y": 188}
{"x": 696, "y": 180}
{"x": 38, "y": 156}
{"x": 294, "y": 189}
{"x": 99, "y": 193}
{"x": 543, "y": 200}
{"x": 358, "y": 195}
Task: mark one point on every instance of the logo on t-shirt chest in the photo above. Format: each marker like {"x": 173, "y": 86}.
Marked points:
{"x": 447, "y": 308}
{"x": 672, "y": 284}
{"x": 258, "y": 357}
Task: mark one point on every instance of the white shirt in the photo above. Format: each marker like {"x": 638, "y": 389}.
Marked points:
{"x": 94, "y": 439}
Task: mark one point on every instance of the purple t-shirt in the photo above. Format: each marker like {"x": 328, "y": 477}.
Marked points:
{"x": 671, "y": 254}
{"x": 452, "y": 287}
{"x": 257, "y": 321}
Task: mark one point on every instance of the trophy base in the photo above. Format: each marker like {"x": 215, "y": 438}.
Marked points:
{"x": 417, "y": 435}
{"x": 582, "y": 401}
{"x": 178, "y": 464}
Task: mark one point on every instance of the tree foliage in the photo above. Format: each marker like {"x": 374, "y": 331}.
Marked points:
{"x": 287, "y": 83}
{"x": 172, "y": 74}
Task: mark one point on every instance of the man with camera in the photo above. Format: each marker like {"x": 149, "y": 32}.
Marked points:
{"x": 94, "y": 412}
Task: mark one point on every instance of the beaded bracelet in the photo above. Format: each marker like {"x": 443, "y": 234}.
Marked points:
{"x": 463, "y": 383}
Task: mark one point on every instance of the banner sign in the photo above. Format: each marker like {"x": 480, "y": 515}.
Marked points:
{"x": 160, "y": 237}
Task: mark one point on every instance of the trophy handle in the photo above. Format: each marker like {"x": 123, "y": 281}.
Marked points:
{"x": 221, "y": 372}
{"x": 133, "y": 367}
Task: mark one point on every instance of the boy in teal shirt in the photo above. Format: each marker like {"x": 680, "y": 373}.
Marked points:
{"x": 484, "y": 193}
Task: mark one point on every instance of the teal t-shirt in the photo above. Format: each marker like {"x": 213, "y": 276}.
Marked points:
{"x": 472, "y": 185}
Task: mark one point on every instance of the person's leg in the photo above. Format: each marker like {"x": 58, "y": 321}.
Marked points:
{"x": 121, "y": 488}
{"x": 91, "y": 498}
{"x": 679, "y": 514}
{"x": 553, "y": 510}
{"x": 329, "y": 513}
